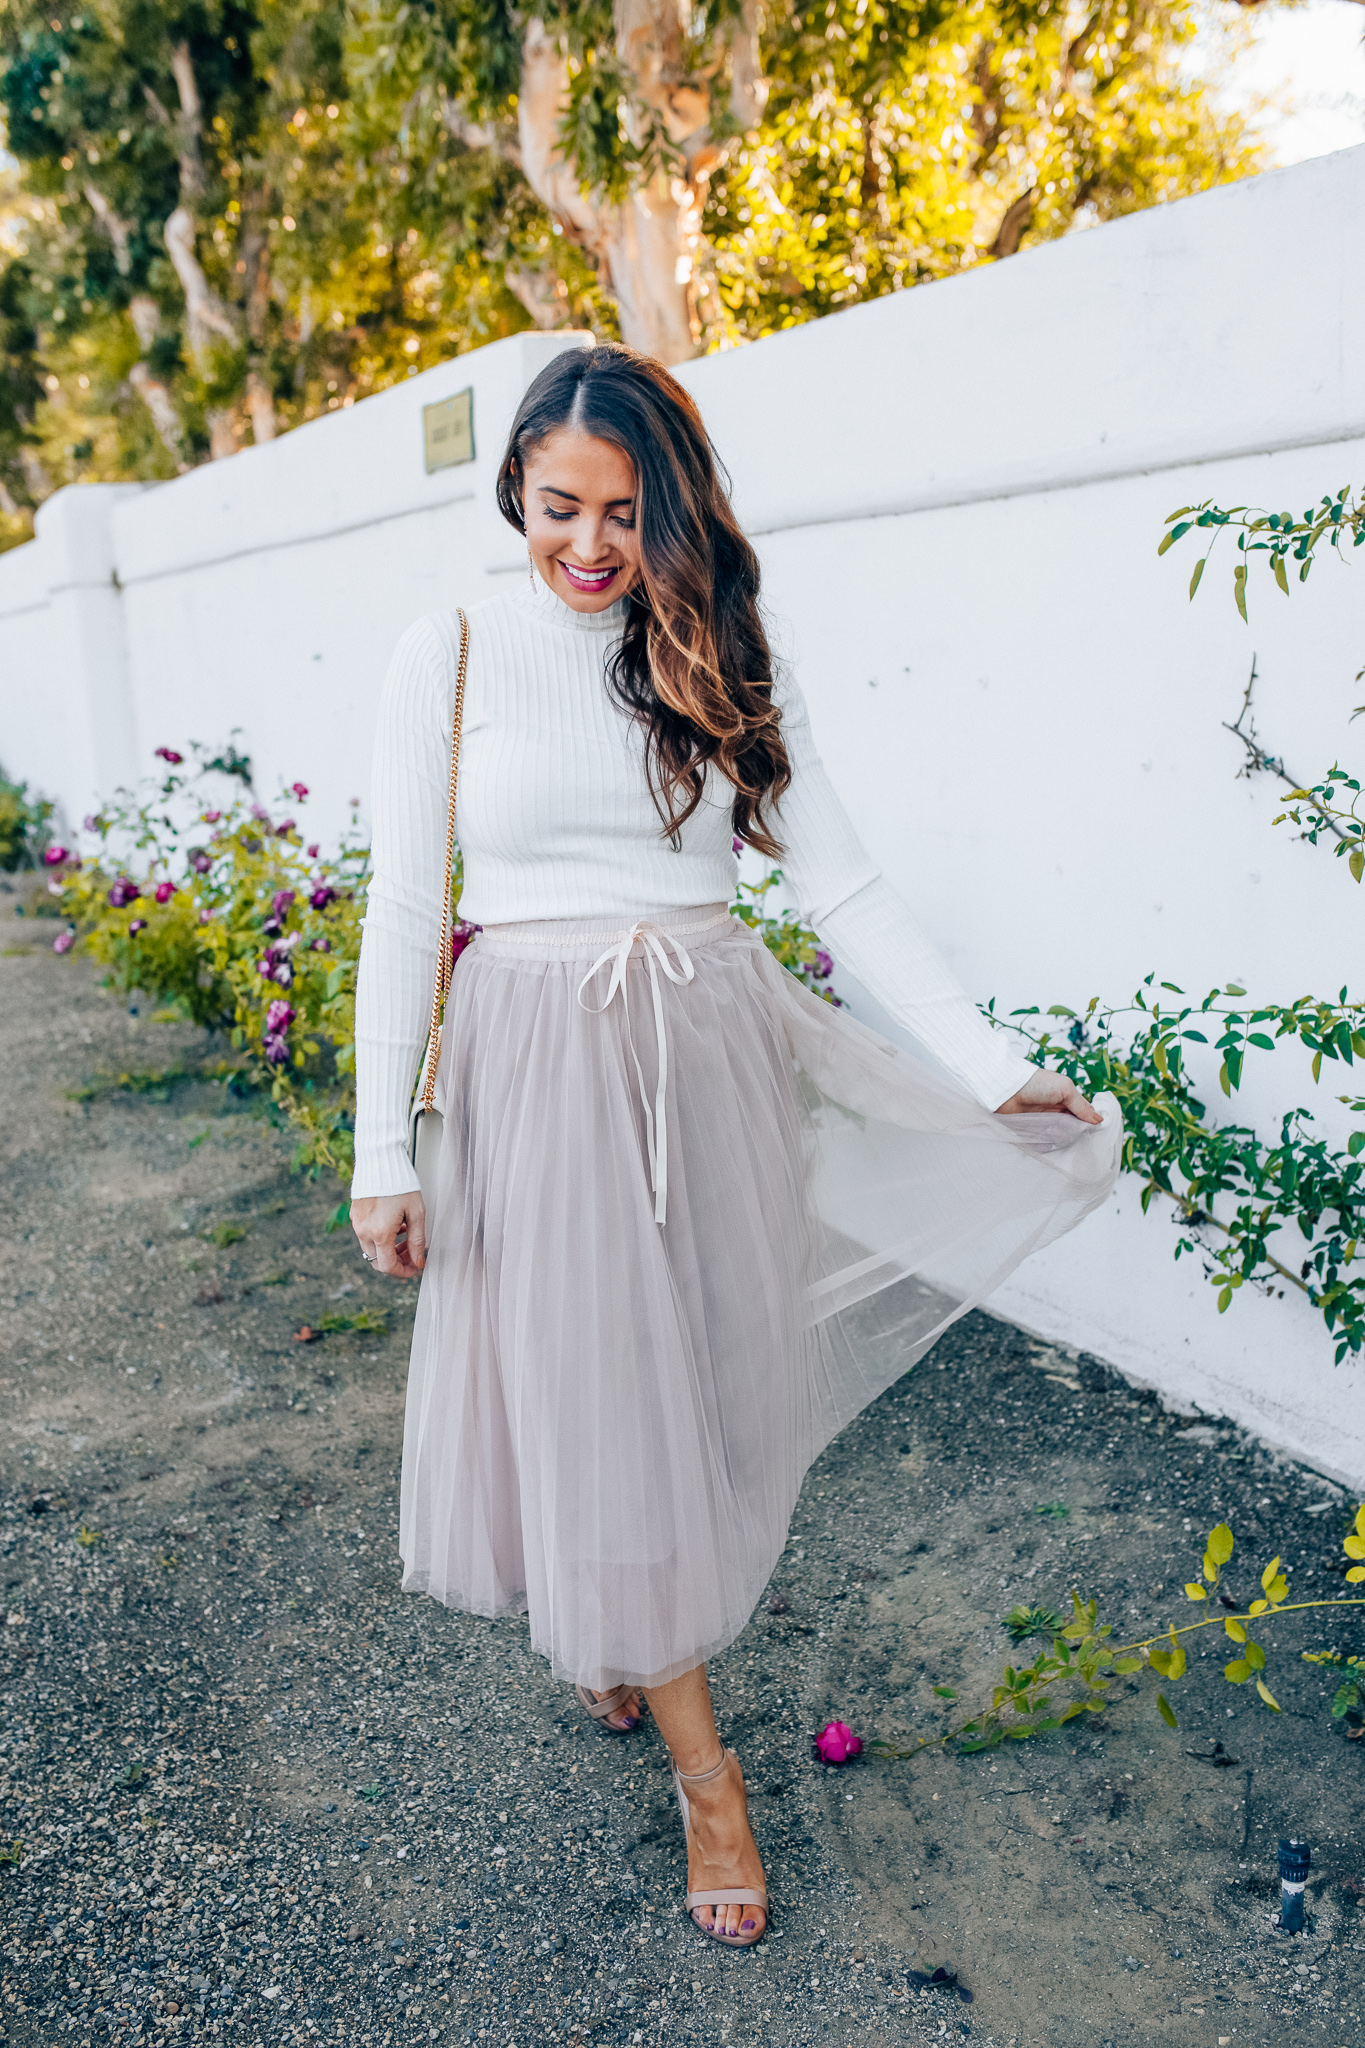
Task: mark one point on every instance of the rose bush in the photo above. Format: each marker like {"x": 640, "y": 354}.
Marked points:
{"x": 223, "y": 916}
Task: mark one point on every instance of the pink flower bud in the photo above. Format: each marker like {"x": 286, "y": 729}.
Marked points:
{"x": 139, "y": 924}
{"x": 836, "y": 1743}
{"x": 165, "y": 891}
{"x": 312, "y": 853}
{"x": 55, "y": 855}
{"x": 299, "y": 789}
{"x": 210, "y": 817}
{"x": 169, "y": 754}
{"x": 63, "y": 942}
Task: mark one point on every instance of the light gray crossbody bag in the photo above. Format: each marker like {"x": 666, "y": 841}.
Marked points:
{"x": 424, "y": 1136}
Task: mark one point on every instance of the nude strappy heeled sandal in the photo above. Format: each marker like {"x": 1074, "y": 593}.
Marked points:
{"x": 600, "y": 1706}
{"x": 735, "y": 1896}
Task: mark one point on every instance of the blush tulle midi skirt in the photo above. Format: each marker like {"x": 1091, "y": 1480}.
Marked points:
{"x": 687, "y": 1220}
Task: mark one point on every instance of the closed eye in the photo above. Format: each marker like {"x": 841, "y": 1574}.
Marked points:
{"x": 626, "y": 525}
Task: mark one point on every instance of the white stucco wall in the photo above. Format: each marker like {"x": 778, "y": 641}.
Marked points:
{"x": 957, "y": 493}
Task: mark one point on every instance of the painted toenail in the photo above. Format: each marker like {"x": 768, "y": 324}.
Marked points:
{"x": 746, "y": 1923}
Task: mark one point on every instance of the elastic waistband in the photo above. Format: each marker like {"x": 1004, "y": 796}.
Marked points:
{"x": 565, "y": 937}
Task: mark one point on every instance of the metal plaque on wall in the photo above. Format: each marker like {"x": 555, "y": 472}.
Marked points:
{"x": 448, "y": 431}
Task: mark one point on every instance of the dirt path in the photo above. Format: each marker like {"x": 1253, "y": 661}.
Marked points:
{"x": 263, "y": 1797}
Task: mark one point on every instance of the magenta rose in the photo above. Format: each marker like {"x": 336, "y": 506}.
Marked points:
{"x": 169, "y": 754}
{"x": 299, "y": 789}
{"x": 165, "y": 891}
{"x": 836, "y": 1743}
{"x": 55, "y": 855}
{"x": 123, "y": 892}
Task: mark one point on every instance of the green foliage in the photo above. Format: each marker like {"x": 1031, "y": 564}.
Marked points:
{"x": 1348, "y": 1702}
{"x": 223, "y": 1234}
{"x": 155, "y": 1083}
{"x": 366, "y": 1322}
{"x": 1284, "y": 540}
{"x": 1073, "y": 1676}
{"x": 1318, "y": 810}
{"x": 903, "y": 142}
{"x": 233, "y": 923}
{"x": 1299, "y": 1181}
{"x": 23, "y": 826}
{"x": 1023, "y": 1622}
{"x": 789, "y": 941}
{"x": 360, "y": 211}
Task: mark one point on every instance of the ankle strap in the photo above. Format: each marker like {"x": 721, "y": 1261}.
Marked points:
{"x": 700, "y": 1777}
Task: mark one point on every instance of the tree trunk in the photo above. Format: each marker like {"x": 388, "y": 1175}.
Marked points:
{"x": 260, "y": 400}
{"x": 145, "y": 315}
{"x": 207, "y": 319}
{"x": 648, "y": 246}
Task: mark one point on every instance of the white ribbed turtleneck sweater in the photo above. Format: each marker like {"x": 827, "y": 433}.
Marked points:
{"x": 555, "y": 819}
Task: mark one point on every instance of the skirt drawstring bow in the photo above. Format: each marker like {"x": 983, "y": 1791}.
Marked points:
{"x": 654, "y": 942}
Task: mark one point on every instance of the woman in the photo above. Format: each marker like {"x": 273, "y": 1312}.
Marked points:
{"x": 667, "y": 1174}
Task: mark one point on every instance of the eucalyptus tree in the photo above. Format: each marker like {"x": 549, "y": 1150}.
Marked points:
{"x": 232, "y": 215}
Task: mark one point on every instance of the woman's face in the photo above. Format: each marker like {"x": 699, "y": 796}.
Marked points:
{"x": 579, "y": 500}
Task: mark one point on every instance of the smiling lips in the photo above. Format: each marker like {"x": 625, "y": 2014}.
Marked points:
{"x": 589, "y": 581}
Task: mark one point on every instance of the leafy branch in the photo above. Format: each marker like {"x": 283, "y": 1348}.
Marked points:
{"x": 1312, "y": 807}
{"x": 1170, "y": 1142}
{"x": 1025, "y": 1702}
{"x": 1279, "y": 536}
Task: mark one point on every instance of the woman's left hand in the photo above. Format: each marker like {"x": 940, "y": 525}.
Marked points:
{"x": 1050, "y": 1091}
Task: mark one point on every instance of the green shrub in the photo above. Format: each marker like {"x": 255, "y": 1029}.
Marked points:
{"x": 23, "y": 826}
{"x": 226, "y": 918}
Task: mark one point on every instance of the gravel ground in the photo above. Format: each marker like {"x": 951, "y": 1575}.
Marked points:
{"x": 263, "y": 1797}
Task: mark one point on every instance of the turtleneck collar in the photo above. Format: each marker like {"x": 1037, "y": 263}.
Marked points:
{"x": 535, "y": 597}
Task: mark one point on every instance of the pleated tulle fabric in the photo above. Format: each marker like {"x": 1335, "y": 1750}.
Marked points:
{"x": 609, "y": 1418}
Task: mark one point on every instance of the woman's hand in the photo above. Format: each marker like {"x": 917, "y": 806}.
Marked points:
{"x": 1046, "y": 1091}
{"x": 392, "y": 1230}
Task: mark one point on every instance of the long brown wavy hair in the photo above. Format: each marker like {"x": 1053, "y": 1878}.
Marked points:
{"x": 693, "y": 666}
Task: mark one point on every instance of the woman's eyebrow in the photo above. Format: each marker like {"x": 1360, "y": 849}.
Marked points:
{"x": 553, "y": 490}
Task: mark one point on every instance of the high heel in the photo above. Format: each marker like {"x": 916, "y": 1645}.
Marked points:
{"x": 735, "y": 1896}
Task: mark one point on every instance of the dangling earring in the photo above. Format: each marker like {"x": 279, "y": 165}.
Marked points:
{"x": 530, "y": 565}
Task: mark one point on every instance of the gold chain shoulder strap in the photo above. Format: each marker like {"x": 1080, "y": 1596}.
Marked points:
{"x": 442, "y": 988}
